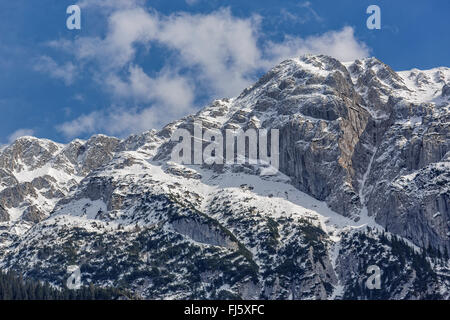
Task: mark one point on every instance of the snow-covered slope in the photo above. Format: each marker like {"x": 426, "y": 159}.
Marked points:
{"x": 363, "y": 180}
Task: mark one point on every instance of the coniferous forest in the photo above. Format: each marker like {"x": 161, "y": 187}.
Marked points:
{"x": 15, "y": 287}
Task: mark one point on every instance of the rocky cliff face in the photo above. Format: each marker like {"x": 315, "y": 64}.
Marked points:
{"x": 363, "y": 180}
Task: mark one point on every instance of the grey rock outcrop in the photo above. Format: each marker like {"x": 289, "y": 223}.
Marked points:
{"x": 4, "y": 215}
{"x": 446, "y": 90}
{"x": 364, "y": 180}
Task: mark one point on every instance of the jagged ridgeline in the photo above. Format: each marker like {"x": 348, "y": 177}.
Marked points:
{"x": 363, "y": 183}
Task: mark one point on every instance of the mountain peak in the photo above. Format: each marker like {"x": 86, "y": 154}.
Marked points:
{"x": 363, "y": 179}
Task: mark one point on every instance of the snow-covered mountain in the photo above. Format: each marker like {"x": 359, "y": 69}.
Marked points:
{"x": 364, "y": 179}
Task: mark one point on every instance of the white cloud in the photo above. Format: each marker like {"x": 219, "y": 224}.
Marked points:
{"x": 312, "y": 13}
{"x": 170, "y": 96}
{"x": 222, "y": 47}
{"x": 117, "y": 121}
{"x": 216, "y": 53}
{"x": 19, "y": 133}
{"x": 82, "y": 124}
{"x": 66, "y": 72}
{"x": 126, "y": 29}
{"x": 171, "y": 91}
{"x": 306, "y": 14}
{"x": 341, "y": 45}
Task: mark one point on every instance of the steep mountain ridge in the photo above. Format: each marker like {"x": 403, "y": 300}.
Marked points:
{"x": 364, "y": 158}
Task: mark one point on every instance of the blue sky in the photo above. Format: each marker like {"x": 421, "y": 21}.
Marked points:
{"x": 136, "y": 64}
